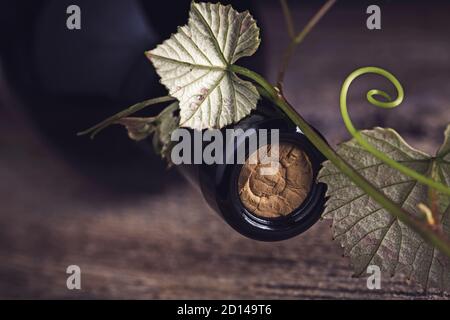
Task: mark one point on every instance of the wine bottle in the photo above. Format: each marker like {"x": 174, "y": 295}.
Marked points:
{"x": 263, "y": 207}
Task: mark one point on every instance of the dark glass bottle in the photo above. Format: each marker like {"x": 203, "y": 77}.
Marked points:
{"x": 219, "y": 182}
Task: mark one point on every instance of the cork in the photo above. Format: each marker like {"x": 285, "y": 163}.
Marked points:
{"x": 279, "y": 194}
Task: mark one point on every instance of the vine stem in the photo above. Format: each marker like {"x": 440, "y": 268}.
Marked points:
{"x": 296, "y": 40}
{"x": 437, "y": 239}
{"x": 93, "y": 131}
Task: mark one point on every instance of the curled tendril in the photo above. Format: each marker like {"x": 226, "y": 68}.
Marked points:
{"x": 371, "y": 94}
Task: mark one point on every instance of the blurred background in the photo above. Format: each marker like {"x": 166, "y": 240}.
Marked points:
{"x": 109, "y": 205}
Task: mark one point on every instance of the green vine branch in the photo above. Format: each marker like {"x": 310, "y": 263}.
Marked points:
{"x": 288, "y": 18}
{"x": 429, "y": 234}
{"x": 296, "y": 40}
{"x": 387, "y": 105}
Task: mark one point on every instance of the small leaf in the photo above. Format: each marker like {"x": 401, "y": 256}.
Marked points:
{"x": 160, "y": 126}
{"x": 368, "y": 233}
{"x": 194, "y": 66}
{"x": 168, "y": 122}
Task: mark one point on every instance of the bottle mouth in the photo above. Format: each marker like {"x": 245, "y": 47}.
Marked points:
{"x": 276, "y": 188}
{"x": 291, "y": 213}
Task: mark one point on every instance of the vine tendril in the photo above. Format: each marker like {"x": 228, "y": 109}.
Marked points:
{"x": 390, "y": 103}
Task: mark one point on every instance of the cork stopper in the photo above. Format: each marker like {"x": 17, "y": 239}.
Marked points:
{"x": 279, "y": 194}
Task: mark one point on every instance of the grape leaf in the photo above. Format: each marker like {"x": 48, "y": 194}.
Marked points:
{"x": 194, "y": 65}
{"x": 160, "y": 126}
{"x": 366, "y": 231}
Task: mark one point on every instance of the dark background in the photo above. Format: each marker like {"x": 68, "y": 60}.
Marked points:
{"x": 110, "y": 206}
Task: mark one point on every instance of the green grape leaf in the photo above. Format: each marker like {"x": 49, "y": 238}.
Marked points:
{"x": 366, "y": 231}
{"x": 194, "y": 65}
